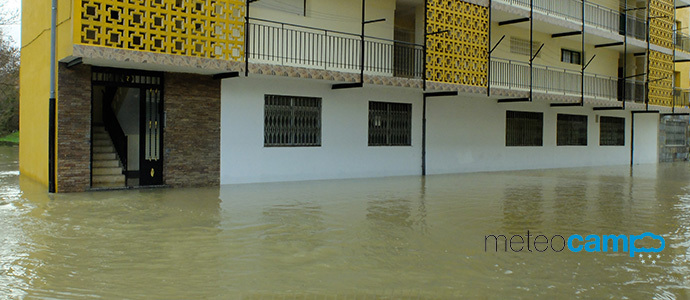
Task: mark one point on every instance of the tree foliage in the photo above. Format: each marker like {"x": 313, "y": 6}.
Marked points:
{"x": 9, "y": 75}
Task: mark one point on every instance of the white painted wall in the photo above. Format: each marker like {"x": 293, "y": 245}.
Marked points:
{"x": 646, "y": 138}
{"x": 465, "y": 134}
{"x": 344, "y": 151}
{"x": 468, "y": 135}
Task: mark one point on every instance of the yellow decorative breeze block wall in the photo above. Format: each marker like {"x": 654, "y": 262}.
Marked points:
{"x": 461, "y": 55}
{"x": 200, "y": 28}
{"x": 661, "y": 23}
{"x": 660, "y": 78}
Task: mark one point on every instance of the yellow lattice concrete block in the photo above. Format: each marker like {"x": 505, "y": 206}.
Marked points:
{"x": 200, "y": 28}
{"x": 661, "y": 23}
{"x": 660, "y": 78}
{"x": 461, "y": 55}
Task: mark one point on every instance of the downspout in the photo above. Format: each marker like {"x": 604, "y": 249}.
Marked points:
{"x": 52, "y": 110}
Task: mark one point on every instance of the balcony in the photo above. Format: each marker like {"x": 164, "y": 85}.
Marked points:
{"x": 307, "y": 47}
{"x": 515, "y": 75}
{"x": 681, "y": 97}
{"x": 682, "y": 42}
{"x": 302, "y": 46}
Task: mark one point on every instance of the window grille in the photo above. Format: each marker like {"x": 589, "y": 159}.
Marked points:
{"x": 611, "y": 131}
{"x": 521, "y": 46}
{"x": 676, "y": 132}
{"x": 571, "y": 130}
{"x": 524, "y": 128}
{"x": 390, "y": 124}
{"x": 292, "y": 121}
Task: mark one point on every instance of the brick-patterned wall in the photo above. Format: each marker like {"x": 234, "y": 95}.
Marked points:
{"x": 73, "y": 128}
{"x": 192, "y": 131}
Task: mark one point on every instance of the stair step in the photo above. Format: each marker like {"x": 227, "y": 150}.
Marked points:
{"x": 98, "y": 129}
{"x": 101, "y": 136}
{"x": 103, "y": 149}
{"x": 98, "y": 143}
{"x": 119, "y": 179}
{"x": 104, "y": 185}
{"x": 107, "y": 171}
{"x": 104, "y": 156}
{"x": 112, "y": 163}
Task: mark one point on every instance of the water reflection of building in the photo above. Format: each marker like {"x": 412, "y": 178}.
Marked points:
{"x": 522, "y": 207}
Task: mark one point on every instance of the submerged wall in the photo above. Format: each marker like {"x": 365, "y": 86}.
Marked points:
{"x": 344, "y": 151}
{"x": 465, "y": 134}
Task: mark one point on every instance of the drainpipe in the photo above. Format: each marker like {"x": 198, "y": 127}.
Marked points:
{"x": 51, "y": 112}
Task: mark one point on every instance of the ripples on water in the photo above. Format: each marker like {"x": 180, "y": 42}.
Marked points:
{"x": 404, "y": 237}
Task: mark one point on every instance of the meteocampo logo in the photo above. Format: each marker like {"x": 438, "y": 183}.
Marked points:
{"x": 575, "y": 243}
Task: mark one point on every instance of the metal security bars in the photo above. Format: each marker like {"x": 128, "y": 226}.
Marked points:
{"x": 153, "y": 123}
{"x": 524, "y": 128}
{"x": 571, "y": 130}
{"x": 611, "y": 131}
{"x": 303, "y": 46}
{"x": 512, "y": 74}
{"x": 292, "y": 121}
{"x": 676, "y": 132}
{"x": 390, "y": 124}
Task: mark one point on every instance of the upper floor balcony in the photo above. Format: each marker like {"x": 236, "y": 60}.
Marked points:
{"x": 632, "y": 24}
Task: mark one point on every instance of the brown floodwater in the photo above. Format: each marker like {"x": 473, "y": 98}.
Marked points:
{"x": 383, "y": 238}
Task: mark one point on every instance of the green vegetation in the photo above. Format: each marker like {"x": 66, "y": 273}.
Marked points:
{"x": 9, "y": 76}
{"x": 11, "y": 138}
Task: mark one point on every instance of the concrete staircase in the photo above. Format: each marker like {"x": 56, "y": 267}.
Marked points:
{"x": 106, "y": 170}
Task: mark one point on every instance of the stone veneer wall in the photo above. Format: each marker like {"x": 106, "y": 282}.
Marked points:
{"x": 672, "y": 153}
{"x": 73, "y": 129}
{"x": 192, "y": 130}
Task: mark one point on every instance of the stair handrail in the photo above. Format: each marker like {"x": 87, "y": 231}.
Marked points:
{"x": 115, "y": 131}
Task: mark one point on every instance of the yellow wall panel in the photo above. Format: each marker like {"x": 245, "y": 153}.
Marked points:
{"x": 660, "y": 78}
{"x": 200, "y": 28}
{"x": 34, "y": 82}
{"x": 461, "y": 55}
{"x": 661, "y": 23}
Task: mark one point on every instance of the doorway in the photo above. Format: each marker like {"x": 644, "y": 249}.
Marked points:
{"x": 127, "y": 128}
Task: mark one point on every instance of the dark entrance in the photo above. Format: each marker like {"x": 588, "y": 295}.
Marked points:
{"x": 127, "y": 111}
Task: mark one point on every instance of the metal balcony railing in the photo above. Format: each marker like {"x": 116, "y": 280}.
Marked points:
{"x": 595, "y": 15}
{"x": 681, "y": 97}
{"x": 512, "y": 74}
{"x": 682, "y": 41}
{"x": 303, "y": 46}
{"x": 635, "y": 90}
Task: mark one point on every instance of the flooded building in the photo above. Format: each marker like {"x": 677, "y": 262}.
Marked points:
{"x": 207, "y": 92}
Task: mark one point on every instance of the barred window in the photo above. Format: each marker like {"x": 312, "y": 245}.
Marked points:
{"x": 524, "y": 128}
{"x": 676, "y": 132}
{"x": 521, "y": 46}
{"x": 571, "y": 130}
{"x": 292, "y": 121}
{"x": 390, "y": 124}
{"x": 611, "y": 131}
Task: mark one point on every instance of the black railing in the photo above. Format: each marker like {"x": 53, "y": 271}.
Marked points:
{"x": 303, "y": 46}
{"x": 112, "y": 126}
{"x": 682, "y": 42}
{"x": 681, "y": 97}
{"x": 635, "y": 90}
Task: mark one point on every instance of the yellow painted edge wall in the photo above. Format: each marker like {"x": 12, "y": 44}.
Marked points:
{"x": 34, "y": 82}
{"x": 683, "y": 16}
